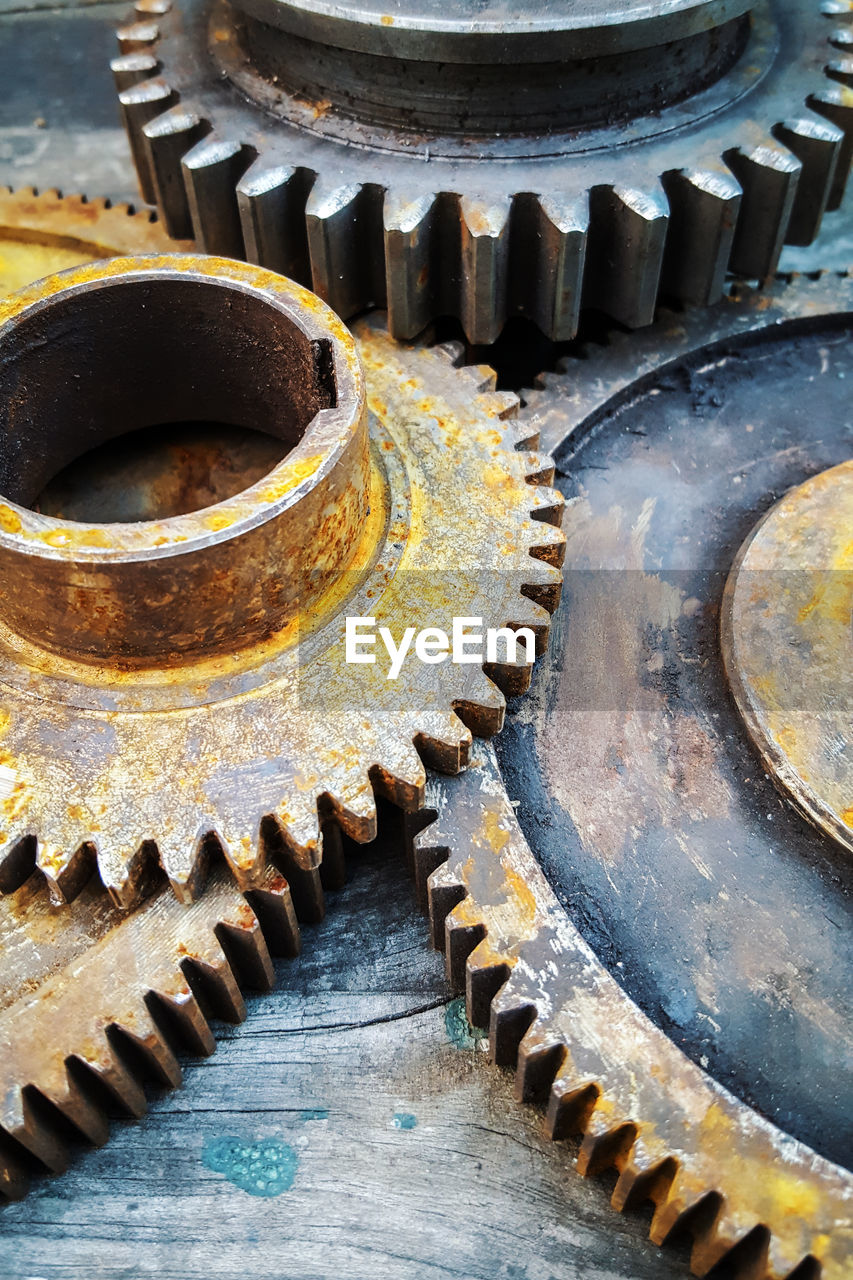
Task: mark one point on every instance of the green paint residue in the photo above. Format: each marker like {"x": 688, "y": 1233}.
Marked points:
{"x": 459, "y": 1030}
{"x": 266, "y": 1167}
{"x": 314, "y": 1113}
{"x": 405, "y": 1120}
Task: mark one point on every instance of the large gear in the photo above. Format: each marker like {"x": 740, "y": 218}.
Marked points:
{"x": 237, "y": 676}
{"x": 393, "y": 159}
{"x": 631, "y": 689}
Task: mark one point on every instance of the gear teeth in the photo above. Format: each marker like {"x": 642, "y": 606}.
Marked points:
{"x": 817, "y": 145}
{"x": 271, "y": 203}
{"x": 498, "y": 404}
{"x": 769, "y": 175}
{"x": 167, "y": 139}
{"x": 484, "y": 267}
{"x": 170, "y": 853}
{"x": 138, "y": 37}
{"x": 212, "y": 170}
{"x": 625, "y": 252}
{"x": 538, "y": 469}
{"x": 181, "y": 1018}
{"x": 526, "y": 435}
{"x": 27, "y": 1120}
{"x": 345, "y": 241}
{"x": 408, "y": 229}
{"x": 133, "y": 68}
{"x": 548, "y": 252}
{"x": 606, "y": 1144}
{"x": 704, "y": 206}
{"x": 215, "y": 987}
{"x": 140, "y": 103}
{"x": 14, "y": 1178}
{"x": 643, "y": 1179}
{"x": 272, "y": 904}
{"x": 481, "y": 706}
{"x": 445, "y": 891}
{"x": 835, "y": 103}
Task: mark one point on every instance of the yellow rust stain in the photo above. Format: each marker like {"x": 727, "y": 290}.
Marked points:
{"x": 387, "y": 20}
{"x": 219, "y": 521}
{"x": 9, "y": 520}
{"x": 847, "y": 816}
{"x": 289, "y": 475}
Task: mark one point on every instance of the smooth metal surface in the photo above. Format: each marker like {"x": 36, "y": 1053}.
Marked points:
{"x": 787, "y": 637}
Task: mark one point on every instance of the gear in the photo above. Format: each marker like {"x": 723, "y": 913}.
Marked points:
{"x": 77, "y": 1040}
{"x": 637, "y": 791}
{"x": 42, "y": 232}
{"x": 212, "y": 643}
{"x": 392, "y": 159}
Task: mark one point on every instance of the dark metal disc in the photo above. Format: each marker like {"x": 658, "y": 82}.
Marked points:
{"x": 724, "y": 914}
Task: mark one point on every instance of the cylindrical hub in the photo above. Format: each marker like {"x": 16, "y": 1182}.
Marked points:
{"x": 108, "y": 348}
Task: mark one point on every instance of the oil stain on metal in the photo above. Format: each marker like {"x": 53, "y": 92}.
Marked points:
{"x": 265, "y": 1167}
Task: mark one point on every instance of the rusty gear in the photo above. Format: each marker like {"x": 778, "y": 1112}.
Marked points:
{"x": 212, "y": 643}
{"x": 395, "y": 160}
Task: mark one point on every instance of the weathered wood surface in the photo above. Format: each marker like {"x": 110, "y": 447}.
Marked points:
{"x": 353, "y": 1043}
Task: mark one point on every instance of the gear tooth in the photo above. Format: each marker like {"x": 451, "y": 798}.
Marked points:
{"x": 344, "y": 242}
{"x": 693, "y": 1212}
{"x": 408, "y": 226}
{"x": 133, "y": 68}
{"x": 243, "y": 942}
{"x": 294, "y": 842}
{"x": 454, "y": 351}
{"x": 704, "y": 207}
{"x": 14, "y": 1178}
{"x": 625, "y": 252}
{"x": 483, "y": 378}
{"x": 481, "y": 705}
{"x": 243, "y": 851}
{"x": 571, "y": 1103}
{"x": 214, "y": 986}
{"x": 212, "y": 170}
{"x": 540, "y": 1057}
{"x": 484, "y": 262}
{"x": 167, "y": 139}
{"x": 841, "y": 38}
{"x": 835, "y": 103}
{"x": 426, "y": 853}
{"x": 128, "y": 868}
{"x": 184, "y": 854}
{"x": 69, "y": 1098}
{"x": 768, "y": 175}
{"x": 271, "y": 203}
{"x": 139, "y": 104}
{"x": 548, "y": 542}
{"x": 461, "y": 937}
{"x": 526, "y": 613}
{"x": 444, "y": 891}
{"x": 841, "y": 69}
{"x": 177, "y": 1011}
{"x": 817, "y": 145}
{"x": 548, "y": 506}
{"x": 606, "y": 1144}
{"x": 538, "y": 468}
{"x": 542, "y": 583}
{"x": 744, "y": 1250}
{"x": 444, "y": 741}
{"x": 400, "y": 777}
{"x": 17, "y": 861}
{"x": 138, "y": 37}
{"x": 526, "y": 434}
{"x": 548, "y": 250}
{"x": 67, "y": 874}
{"x": 643, "y": 1180}
{"x": 114, "y": 1075}
{"x": 26, "y": 1118}
{"x": 138, "y": 1038}
{"x": 485, "y": 976}
{"x": 272, "y": 904}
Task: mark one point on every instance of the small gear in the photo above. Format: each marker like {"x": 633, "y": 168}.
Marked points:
{"x": 211, "y": 645}
{"x": 483, "y": 165}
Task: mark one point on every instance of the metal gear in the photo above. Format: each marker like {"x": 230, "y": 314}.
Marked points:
{"x": 42, "y": 232}
{"x": 711, "y": 1164}
{"x": 212, "y": 643}
{"x": 393, "y": 159}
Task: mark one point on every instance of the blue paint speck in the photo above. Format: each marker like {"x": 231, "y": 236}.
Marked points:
{"x": 265, "y": 1167}
{"x": 315, "y": 1113}
{"x": 405, "y": 1120}
{"x": 459, "y": 1030}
